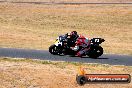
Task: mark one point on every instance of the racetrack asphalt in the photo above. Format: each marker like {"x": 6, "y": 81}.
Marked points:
{"x": 111, "y": 59}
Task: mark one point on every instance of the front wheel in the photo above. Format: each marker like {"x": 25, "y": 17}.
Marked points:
{"x": 53, "y": 49}
{"x": 95, "y": 52}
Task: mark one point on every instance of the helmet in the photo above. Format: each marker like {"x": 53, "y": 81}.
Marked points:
{"x": 73, "y": 34}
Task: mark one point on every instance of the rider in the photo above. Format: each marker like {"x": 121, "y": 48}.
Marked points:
{"x": 72, "y": 37}
{"x": 81, "y": 45}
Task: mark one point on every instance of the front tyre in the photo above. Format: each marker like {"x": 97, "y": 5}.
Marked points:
{"x": 53, "y": 49}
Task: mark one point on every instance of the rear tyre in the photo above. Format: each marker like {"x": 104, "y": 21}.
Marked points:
{"x": 96, "y": 52}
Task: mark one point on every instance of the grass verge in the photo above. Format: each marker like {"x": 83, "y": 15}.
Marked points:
{"x": 26, "y": 73}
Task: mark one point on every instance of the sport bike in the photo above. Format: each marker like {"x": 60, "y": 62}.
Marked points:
{"x": 62, "y": 46}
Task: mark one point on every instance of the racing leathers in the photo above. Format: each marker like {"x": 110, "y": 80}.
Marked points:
{"x": 81, "y": 45}
{"x": 71, "y": 39}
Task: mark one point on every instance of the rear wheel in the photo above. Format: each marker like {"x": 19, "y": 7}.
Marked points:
{"x": 95, "y": 52}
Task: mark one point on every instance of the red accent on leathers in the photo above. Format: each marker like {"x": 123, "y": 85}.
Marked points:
{"x": 82, "y": 41}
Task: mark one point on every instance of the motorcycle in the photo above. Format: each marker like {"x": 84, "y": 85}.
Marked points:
{"x": 62, "y": 46}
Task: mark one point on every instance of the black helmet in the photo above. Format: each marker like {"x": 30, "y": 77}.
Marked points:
{"x": 73, "y": 35}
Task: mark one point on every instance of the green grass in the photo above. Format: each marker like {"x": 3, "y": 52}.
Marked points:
{"x": 60, "y": 64}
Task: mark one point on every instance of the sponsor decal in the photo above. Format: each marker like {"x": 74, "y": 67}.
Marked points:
{"x": 83, "y": 78}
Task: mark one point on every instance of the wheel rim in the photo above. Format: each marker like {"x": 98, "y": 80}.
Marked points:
{"x": 100, "y": 51}
{"x": 54, "y": 50}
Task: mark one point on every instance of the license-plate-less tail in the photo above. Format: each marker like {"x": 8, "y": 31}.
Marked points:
{"x": 62, "y": 46}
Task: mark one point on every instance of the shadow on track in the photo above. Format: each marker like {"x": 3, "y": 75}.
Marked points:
{"x": 102, "y": 58}
{"x": 87, "y": 57}
{"x": 95, "y": 58}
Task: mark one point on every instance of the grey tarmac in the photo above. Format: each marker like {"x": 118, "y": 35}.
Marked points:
{"x": 111, "y": 59}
